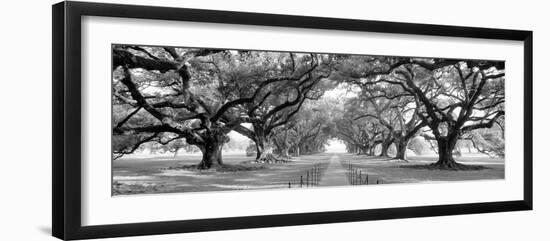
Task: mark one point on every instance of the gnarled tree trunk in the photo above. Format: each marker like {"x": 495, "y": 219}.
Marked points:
{"x": 285, "y": 152}
{"x": 445, "y": 147}
{"x": 385, "y": 147}
{"x": 362, "y": 150}
{"x": 371, "y": 150}
{"x": 264, "y": 146}
{"x": 298, "y": 151}
{"x": 258, "y": 152}
{"x": 265, "y": 151}
{"x": 212, "y": 151}
{"x": 401, "y": 145}
{"x": 284, "y": 147}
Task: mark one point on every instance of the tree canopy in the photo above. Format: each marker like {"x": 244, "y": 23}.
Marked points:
{"x": 181, "y": 98}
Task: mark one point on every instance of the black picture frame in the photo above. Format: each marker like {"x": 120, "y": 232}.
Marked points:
{"x": 66, "y": 141}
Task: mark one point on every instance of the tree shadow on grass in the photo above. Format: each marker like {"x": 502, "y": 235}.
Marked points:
{"x": 459, "y": 167}
{"x": 221, "y": 168}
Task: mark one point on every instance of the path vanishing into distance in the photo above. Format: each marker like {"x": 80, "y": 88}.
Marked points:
{"x": 335, "y": 174}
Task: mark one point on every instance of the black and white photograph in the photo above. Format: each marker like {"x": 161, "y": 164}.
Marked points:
{"x": 277, "y": 120}
{"x": 195, "y": 119}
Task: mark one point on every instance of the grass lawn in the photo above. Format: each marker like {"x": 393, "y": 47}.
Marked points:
{"x": 392, "y": 171}
{"x": 163, "y": 175}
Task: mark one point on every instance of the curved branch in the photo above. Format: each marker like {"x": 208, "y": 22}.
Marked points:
{"x": 124, "y": 58}
{"x": 488, "y": 124}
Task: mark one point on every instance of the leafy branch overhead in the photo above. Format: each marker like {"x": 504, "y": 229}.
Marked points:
{"x": 279, "y": 100}
{"x": 201, "y": 95}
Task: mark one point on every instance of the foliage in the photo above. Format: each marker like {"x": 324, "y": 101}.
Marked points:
{"x": 167, "y": 99}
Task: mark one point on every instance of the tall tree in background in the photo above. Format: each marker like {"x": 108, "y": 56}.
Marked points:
{"x": 311, "y": 129}
{"x": 397, "y": 112}
{"x": 487, "y": 141}
{"x": 361, "y": 135}
{"x": 273, "y": 109}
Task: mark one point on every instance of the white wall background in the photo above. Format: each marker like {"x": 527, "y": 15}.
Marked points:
{"x": 25, "y": 122}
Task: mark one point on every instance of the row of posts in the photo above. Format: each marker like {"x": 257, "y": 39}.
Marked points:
{"x": 357, "y": 177}
{"x": 311, "y": 178}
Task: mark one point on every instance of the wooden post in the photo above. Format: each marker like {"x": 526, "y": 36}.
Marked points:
{"x": 367, "y": 179}
{"x": 360, "y": 178}
{"x": 307, "y": 179}
{"x": 315, "y": 171}
{"x": 352, "y": 176}
{"x": 301, "y": 181}
{"x": 377, "y": 181}
{"x": 314, "y": 176}
{"x": 288, "y": 184}
{"x": 349, "y": 171}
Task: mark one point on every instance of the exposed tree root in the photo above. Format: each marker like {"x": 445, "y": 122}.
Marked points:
{"x": 271, "y": 159}
{"x": 395, "y": 159}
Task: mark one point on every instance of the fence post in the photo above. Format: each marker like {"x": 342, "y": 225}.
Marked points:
{"x": 349, "y": 171}
{"x": 314, "y": 176}
{"x": 367, "y": 179}
{"x": 307, "y": 179}
{"x": 301, "y": 181}
{"x": 352, "y": 176}
{"x": 288, "y": 184}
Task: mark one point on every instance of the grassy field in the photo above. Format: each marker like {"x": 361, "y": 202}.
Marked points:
{"x": 162, "y": 175}
{"x": 168, "y": 174}
{"x": 391, "y": 171}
